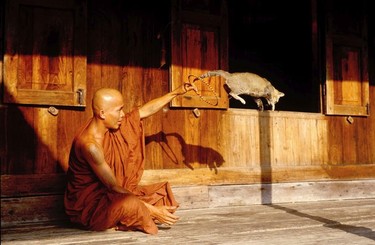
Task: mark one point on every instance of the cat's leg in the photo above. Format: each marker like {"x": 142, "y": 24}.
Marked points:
{"x": 259, "y": 103}
{"x": 238, "y": 98}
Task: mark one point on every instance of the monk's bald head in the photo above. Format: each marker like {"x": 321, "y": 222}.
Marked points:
{"x": 105, "y": 98}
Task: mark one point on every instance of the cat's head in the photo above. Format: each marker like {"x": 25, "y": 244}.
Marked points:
{"x": 273, "y": 97}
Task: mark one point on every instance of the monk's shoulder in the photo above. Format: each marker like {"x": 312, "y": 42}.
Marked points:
{"x": 87, "y": 145}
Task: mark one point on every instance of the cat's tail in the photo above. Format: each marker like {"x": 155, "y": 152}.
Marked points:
{"x": 215, "y": 73}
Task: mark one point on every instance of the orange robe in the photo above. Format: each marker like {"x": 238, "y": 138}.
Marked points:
{"x": 89, "y": 203}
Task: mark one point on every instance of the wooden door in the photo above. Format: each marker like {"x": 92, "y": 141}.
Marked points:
{"x": 45, "y": 52}
{"x": 347, "y": 84}
{"x": 199, "y": 44}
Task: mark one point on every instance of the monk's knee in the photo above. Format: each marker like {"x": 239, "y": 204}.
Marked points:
{"x": 135, "y": 215}
{"x": 131, "y": 203}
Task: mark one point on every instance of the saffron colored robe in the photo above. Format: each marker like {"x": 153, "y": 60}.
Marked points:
{"x": 93, "y": 206}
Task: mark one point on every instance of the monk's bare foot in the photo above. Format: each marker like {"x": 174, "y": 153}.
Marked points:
{"x": 123, "y": 228}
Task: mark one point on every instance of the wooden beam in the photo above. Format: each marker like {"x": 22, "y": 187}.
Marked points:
{"x": 32, "y": 185}
{"x": 50, "y": 209}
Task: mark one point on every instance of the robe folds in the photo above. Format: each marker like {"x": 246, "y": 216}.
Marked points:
{"x": 93, "y": 206}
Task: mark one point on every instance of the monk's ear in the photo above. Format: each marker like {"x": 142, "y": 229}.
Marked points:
{"x": 101, "y": 114}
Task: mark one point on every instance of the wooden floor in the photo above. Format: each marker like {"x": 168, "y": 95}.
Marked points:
{"x": 324, "y": 222}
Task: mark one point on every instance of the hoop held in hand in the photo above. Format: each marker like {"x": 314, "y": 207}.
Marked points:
{"x": 195, "y": 78}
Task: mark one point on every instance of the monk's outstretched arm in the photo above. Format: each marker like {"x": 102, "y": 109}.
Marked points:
{"x": 155, "y": 105}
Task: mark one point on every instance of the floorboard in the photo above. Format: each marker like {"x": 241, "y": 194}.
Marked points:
{"x": 323, "y": 222}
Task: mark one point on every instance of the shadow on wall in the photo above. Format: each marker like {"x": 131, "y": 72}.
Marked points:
{"x": 14, "y": 151}
{"x": 21, "y": 149}
{"x": 265, "y": 158}
{"x": 176, "y": 148}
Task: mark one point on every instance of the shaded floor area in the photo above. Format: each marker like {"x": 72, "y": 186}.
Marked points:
{"x": 324, "y": 222}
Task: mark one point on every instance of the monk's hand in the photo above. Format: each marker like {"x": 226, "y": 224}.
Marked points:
{"x": 186, "y": 87}
{"x": 164, "y": 214}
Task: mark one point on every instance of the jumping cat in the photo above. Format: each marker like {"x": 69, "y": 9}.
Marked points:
{"x": 248, "y": 83}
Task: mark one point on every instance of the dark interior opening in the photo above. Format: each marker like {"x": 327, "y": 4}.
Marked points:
{"x": 274, "y": 40}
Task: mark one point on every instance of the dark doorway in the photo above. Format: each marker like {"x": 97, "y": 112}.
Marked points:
{"x": 274, "y": 40}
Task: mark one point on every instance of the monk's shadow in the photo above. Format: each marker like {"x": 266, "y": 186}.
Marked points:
{"x": 187, "y": 152}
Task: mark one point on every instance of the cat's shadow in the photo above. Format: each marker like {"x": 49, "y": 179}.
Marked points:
{"x": 177, "y": 150}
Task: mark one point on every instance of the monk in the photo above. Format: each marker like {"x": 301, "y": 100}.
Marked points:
{"x": 106, "y": 163}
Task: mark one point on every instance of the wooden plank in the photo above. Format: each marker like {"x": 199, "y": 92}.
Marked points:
{"x": 32, "y": 209}
{"x": 370, "y": 130}
{"x": 304, "y": 143}
{"x": 20, "y": 153}
{"x": 175, "y": 147}
{"x": 3, "y": 134}
{"x": 291, "y": 143}
{"x": 322, "y": 142}
{"x": 192, "y": 196}
{"x": 27, "y": 210}
{"x": 254, "y": 132}
{"x": 156, "y": 82}
{"x": 3, "y": 110}
{"x": 233, "y": 195}
{"x": 335, "y": 141}
{"x": 349, "y": 141}
{"x": 46, "y": 149}
{"x": 109, "y": 58}
{"x": 225, "y": 129}
{"x": 191, "y": 137}
{"x": 287, "y": 114}
{"x": 279, "y": 138}
{"x": 313, "y": 142}
{"x": 237, "y": 151}
{"x": 209, "y": 139}
{"x": 68, "y": 123}
{"x": 266, "y": 147}
{"x": 341, "y": 222}
{"x": 246, "y": 175}
{"x": 32, "y": 184}
{"x": 363, "y": 144}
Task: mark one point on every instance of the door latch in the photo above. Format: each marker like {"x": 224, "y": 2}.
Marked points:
{"x": 81, "y": 96}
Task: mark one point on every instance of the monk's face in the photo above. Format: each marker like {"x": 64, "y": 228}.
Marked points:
{"x": 113, "y": 111}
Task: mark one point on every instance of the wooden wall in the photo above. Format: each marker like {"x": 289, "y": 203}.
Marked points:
{"x": 269, "y": 147}
{"x": 234, "y": 146}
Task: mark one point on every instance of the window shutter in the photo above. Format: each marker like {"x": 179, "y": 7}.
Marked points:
{"x": 45, "y": 52}
{"x": 199, "y": 44}
{"x": 347, "y": 83}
